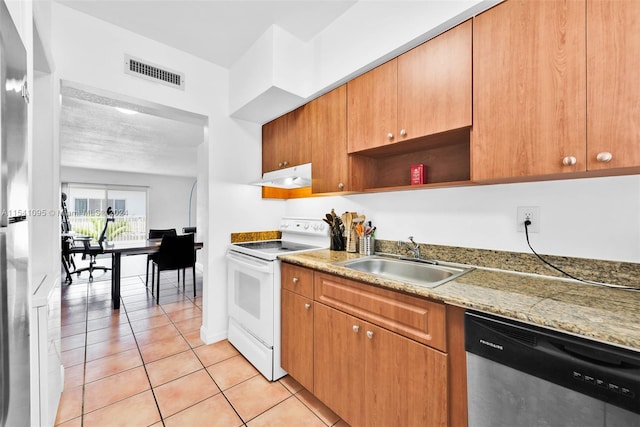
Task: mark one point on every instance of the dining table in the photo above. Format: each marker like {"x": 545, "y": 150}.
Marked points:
{"x": 127, "y": 248}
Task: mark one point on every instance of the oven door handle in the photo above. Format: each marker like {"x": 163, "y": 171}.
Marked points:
{"x": 250, "y": 262}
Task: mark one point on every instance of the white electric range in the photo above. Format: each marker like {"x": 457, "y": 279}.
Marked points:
{"x": 253, "y": 278}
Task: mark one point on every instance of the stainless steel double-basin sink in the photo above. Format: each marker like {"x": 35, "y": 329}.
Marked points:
{"x": 428, "y": 274}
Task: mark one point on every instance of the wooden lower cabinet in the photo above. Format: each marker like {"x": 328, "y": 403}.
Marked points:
{"x": 373, "y": 377}
{"x": 338, "y": 364}
{"x": 296, "y": 356}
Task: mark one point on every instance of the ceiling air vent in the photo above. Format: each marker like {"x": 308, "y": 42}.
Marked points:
{"x": 153, "y": 72}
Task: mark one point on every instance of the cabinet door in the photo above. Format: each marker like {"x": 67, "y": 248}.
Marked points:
{"x": 274, "y": 137}
{"x": 329, "y": 141}
{"x": 297, "y": 338}
{"x": 297, "y": 149}
{"x": 338, "y": 363}
{"x": 434, "y": 85}
{"x": 613, "y": 98}
{"x": 405, "y": 382}
{"x": 529, "y": 91}
{"x": 372, "y": 108}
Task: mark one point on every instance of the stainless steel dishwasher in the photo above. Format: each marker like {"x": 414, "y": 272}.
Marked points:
{"x": 523, "y": 375}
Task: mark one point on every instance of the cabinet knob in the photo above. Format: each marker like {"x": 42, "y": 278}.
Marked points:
{"x": 403, "y": 132}
{"x": 356, "y": 328}
{"x": 569, "y": 161}
{"x": 295, "y": 280}
{"x": 604, "y": 157}
{"x": 389, "y": 135}
{"x": 370, "y": 334}
{"x": 341, "y": 186}
{"x": 280, "y": 164}
{"x": 307, "y": 306}
{"x": 285, "y": 163}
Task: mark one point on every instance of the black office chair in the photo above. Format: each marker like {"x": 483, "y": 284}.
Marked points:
{"x": 92, "y": 251}
{"x": 176, "y": 253}
{"x": 157, "y": 234}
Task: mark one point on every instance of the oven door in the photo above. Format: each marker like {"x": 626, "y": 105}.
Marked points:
{"x": 251, "y": 283}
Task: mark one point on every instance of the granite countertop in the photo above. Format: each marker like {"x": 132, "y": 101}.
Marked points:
{"x": 604, "y": 314}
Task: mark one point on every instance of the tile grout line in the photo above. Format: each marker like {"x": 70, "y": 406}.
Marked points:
{"x": 144, "y": 365}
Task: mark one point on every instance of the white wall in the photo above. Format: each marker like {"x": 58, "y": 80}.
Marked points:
{"x": 593, "y": 218}
{"x": 91, "y": 52}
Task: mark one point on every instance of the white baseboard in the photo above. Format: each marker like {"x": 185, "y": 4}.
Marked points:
{"x": 209, "y": 337}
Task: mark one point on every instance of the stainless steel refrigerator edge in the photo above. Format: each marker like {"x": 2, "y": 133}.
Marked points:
{"x": 14, "y": 250}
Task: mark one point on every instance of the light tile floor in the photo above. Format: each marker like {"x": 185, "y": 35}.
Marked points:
{"x": 145, "y": 365}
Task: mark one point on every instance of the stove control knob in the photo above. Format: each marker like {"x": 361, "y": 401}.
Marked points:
{"x": 306, "y": 226}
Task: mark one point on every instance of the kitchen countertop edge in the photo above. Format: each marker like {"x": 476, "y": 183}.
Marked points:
{"x": 607, "y": 315}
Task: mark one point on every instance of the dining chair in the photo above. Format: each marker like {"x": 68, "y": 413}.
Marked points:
{"x": 175, "y": 253}
{"x": 156, "y": 233}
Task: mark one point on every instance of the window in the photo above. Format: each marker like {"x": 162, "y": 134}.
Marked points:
{"x": 90, "y": 203}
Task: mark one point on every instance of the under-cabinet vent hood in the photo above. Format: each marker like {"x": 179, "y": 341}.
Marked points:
{"x": 293, "y": 177}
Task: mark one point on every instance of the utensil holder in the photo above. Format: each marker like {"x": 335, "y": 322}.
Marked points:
{"x": 352, "y": 240}
{"x": 367, "y": 245}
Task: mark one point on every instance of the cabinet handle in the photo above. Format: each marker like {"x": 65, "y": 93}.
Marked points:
{"x": 604, "y": 157}
{"x": 341, "y": 186}
{"x": 403, "y": 132}
{"x": 356, "y": 328}
{"x": 307, "y": 306}
{"x": 389, "y": 135}
{"x": 295, "y": 280}
{"x": 370, "y": 334}
{"x": 569, "y": 161}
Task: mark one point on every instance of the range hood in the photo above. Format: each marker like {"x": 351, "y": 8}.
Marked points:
{"x": 293, "y": 177}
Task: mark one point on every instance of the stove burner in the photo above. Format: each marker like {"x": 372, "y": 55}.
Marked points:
{"x": 276, "y": 246}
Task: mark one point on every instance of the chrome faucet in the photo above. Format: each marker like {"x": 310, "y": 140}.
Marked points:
{"x": 414, "y": 248}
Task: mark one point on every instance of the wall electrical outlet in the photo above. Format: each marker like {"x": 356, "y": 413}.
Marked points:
{"x": 532, "y": 213}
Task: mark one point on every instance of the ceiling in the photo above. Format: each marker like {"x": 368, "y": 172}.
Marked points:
{"x": 96, "y": 135}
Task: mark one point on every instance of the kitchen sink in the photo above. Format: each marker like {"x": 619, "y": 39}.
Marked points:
{"x": 415, "y": 271}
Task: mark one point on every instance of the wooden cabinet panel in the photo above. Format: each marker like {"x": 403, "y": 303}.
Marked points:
{"x": 329, "y": 158}
{"x": 416, "y": 318}
{"x": 286, "y": 141}
{"x": 338, "y": 363}
{"x": 372, "y": 108}
{"x": 529, "y": 91}
{"x": 274, "y": 136}
{"x": 298, "y": 148}
{"x": 297, "y": 338}
{"x": 405, "y": 382}
{"x": 434, "y": 84}
{"x": 613, "y": 87}
{"x": 373, "y": 377}
{"x": 297, "y": 279}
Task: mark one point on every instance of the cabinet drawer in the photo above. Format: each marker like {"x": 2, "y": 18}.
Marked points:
{"x": 297, "y": 279}
{"x": 412, "y": 317}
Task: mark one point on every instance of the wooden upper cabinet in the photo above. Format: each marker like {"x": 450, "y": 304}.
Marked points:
{"x": 286, "y": 141}
{"x": 422, "y": 92}
{"x": 529, "y": 92}
{"x": 434, "y": 84}
{"x": 274, "y": 137}
{"x": 328, "y": 119}
{"x": 613, "y": 87}
{"x": 372, "y": 108}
